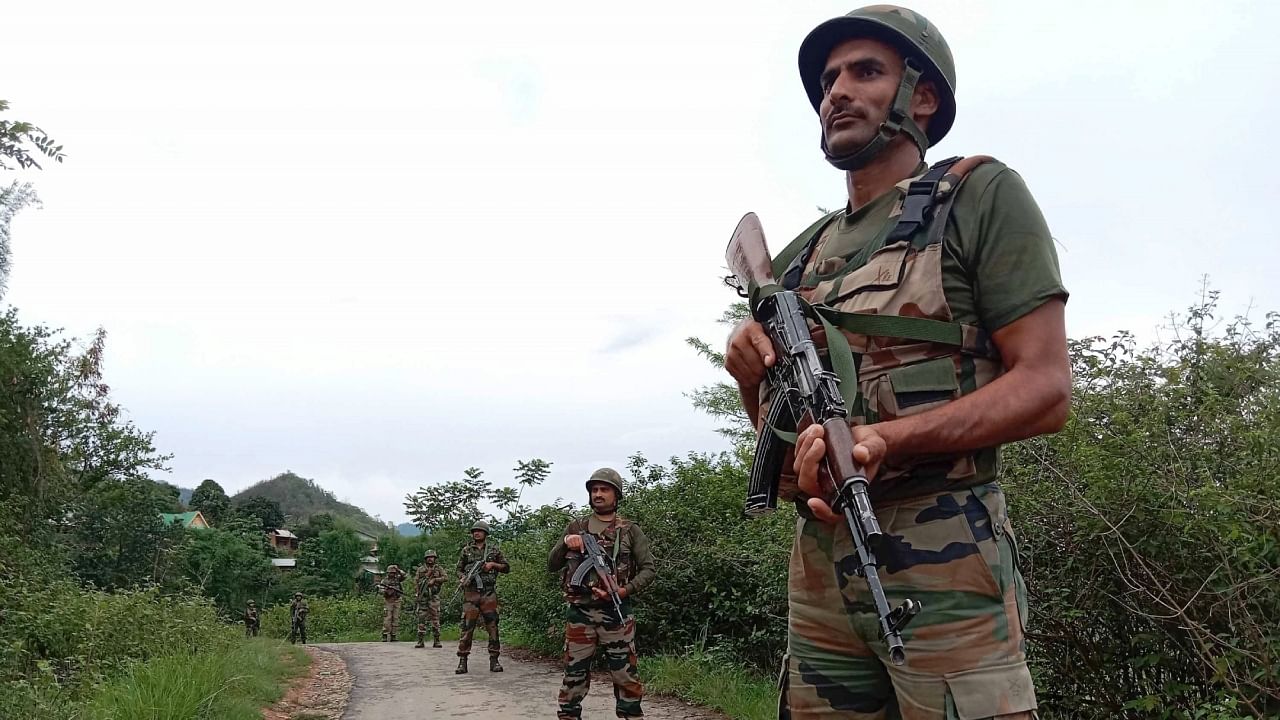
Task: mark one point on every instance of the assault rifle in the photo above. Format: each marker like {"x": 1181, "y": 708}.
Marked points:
{"x": 593, "y": 560}
{"x": 804, "y": 393}
{"x": 472, "y": 577}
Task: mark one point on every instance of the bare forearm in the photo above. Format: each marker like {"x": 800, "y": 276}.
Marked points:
{"x": 1020, "y": 404}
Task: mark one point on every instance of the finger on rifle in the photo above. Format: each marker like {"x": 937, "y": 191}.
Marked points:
{"x": 822, "y": 510}
{"x": 761, "y": 342}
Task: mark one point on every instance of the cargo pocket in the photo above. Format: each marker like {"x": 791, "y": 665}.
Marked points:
{"x": 990, "y": 692}
{"x": 922, "y": 384}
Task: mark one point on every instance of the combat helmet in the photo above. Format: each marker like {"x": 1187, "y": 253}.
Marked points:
{"x": 480, "y": 525}
{"x": 429, "y": 554}
{"x": 251, "y": 603}
{"x": 926, "y": 54}
{"x": 609, "y": 477}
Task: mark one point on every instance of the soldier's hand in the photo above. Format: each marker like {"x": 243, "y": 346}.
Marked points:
{"x": 868, "y": 451}
{"x": 573, "y": 542}
{"x": 490, "y": 565}
{"x": 749, "y": 353}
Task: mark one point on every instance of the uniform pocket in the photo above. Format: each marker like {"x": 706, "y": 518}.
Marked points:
{"x": 923, "y": 383}
{"x": 990, "y": 692}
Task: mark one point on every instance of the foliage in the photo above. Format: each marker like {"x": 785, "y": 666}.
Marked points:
{"x": 22, "y": 143}
{"x": 333, "y": 559}
{"x": 119, "y": 539}
{"x": 228, "y": 567}
{"x": 301, "y": 498}
{"x": 229, "y": 682}
{"x": 721, "y": 400}
{"x": 454, "y": 504}
{"x": 264, "y": 510}
{"x": 709, "y": 679}
{"x": 212, "y": 501}
{"x": 1152, "y": 525}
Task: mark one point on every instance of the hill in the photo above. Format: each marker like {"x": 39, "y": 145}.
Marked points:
{"x": 408, "y": 530}
{"x": 300, "y": 498}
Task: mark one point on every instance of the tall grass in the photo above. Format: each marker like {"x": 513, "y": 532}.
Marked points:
{"x": 704, "y": 679}
{"x": 227, "y": 683}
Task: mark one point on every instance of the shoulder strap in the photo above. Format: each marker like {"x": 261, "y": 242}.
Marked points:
{"x": 790, "y": 263}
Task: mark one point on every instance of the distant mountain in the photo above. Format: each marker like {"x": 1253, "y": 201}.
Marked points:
{"x": 300, "y": 498}
{"x": 408, "y": 529}
{"x": 184, "y": 495}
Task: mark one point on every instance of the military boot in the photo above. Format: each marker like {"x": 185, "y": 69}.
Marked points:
{"x": 384, "y": 637}
{"x": 393, "y": 637}
{"x": 421, "y": 641}
{"x": 462, "y": 666}
{"x": 435, "y": 643}
{"x": 493, "y": 664}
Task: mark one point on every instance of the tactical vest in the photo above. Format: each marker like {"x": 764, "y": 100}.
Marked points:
{"x": 887, "y": 300}
{"x": 471, "y": 554}
{"x": 615, "y": 541}
{"x": 427, "y": 581}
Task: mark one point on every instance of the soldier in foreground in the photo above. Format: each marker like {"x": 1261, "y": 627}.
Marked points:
{"x": 426, "y": 583}
{"x": 595, "y": 616}
{"x": 392, "y": 587}
{"x": 298, "y": 619}
{"x": 478, "y": 568}
{"x": 945, "y": 284}
{"x": 251, "y": 620}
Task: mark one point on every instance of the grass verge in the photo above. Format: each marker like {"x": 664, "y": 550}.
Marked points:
{"x": 712, "y": 682}
{"x": 226, "y": 683}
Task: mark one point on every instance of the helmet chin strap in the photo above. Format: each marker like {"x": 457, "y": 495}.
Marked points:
{"x": 898, "y": 121}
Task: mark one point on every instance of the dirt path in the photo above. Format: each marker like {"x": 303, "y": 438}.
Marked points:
{"x": 394, "y": 681}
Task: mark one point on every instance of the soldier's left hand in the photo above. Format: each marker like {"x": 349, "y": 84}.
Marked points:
{"x": 490, "y": 566}
{"x": 868, "y": 451}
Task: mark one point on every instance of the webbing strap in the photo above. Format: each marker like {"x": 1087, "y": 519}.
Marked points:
{"x": 791, "y": 262}
{"x": 919, "y": 200}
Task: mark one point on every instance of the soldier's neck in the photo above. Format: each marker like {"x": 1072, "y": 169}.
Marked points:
{"x": 606, "y": 518}
{"x": 897, "y": 163}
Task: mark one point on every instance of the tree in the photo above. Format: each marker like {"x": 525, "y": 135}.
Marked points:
{"x": 212, "y": 501}
{"x": 266, "y": 511}
{"x": 21, "y": 144}
{"x": 227, "y": 566}
{"x": 451, "y": 504}
{"x": 721, "y": 399}
{"x": 119, "y": 540}
{"x": 333, "y": 558}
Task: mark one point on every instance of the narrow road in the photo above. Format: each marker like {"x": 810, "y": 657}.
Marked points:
{"x": 395, "y": 681}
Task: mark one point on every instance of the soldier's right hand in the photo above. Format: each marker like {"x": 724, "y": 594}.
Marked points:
{"x": 573, "y": 542}
{"x": 749, "y": 353}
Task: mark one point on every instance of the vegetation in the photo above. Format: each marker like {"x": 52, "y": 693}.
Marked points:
{"x": 300, "y": 499}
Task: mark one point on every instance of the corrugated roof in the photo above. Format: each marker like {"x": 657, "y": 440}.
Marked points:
{"x": 281, "y": 532}
{"x": 284, "y": 562}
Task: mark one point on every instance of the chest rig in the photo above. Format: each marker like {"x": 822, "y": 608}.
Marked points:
{"x": 891, "y": 337}
{"x": 615, "y": 541}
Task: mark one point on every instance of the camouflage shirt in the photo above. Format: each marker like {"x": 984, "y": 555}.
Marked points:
{"x": 489, "y": 552}
{"x": 427, "y": 581}
{"x": 624, "y": 544}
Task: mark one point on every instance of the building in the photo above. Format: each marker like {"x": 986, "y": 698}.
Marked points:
{"x": 283, "y": 540}
{"x": 193, "y": 519}
{"x": 284, "y": 564}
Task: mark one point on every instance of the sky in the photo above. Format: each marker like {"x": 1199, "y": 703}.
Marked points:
{"x": 378, "y": 244}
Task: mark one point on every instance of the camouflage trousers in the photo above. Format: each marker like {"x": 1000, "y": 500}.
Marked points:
{"x": 429, "y": 614}
{"x": 390, "y": 616}
{"x": 476, "y": 607}
{"x": 251, "y": 630}
{"x": 955, "y": 554}
{"x": 298, "y": 631}
{"x": 585, "y": 629}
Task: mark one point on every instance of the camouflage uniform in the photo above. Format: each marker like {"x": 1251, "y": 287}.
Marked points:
{"x": 391, "y": 596}
{"x": 298, "y": 619}
{"x": 477, "y": 605}
{"x": 948, "y": 542}
{"x": 251, "y": 620}
{"x": 427, "y": 581}
{"x": 590, "y": 623}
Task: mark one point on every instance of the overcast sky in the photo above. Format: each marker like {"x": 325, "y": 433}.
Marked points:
{"x": 379, "y": 243}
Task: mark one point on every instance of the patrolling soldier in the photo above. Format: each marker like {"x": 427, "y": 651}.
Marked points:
{"x": 251, "y": 620}
{"x": 298, "y": 619}
{"x": 392, "y": 590}
{"x": 480, "y": 604}
{"x": 591, "y": 619}
{"x": 426, "y": 582}
{"x": 959, "y": 258}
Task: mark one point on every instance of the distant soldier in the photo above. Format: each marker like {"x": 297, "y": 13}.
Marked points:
{"x": 595, "y": 618}
{"x": 251, "y": 620}
{"x": 392, "y": 590}
{"x": 426, "y": 582}
{"x": 298, "y": 619}
{"x": 481, "y": 561}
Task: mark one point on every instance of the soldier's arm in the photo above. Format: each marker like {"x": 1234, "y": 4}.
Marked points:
{"x": 642, "y": 556}
{"x": 559, "y": 554}
{"x": 503, "y": 565}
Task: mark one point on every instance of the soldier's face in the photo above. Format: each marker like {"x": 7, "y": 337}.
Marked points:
{"x": 478, "y": 535}
{"x": 859, "y": 83}
{"x": 431, "y": 561}
{"x": 603, "y": 497}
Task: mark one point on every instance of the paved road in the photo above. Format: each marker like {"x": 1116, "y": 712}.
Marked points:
{"x": 395, "y": 681}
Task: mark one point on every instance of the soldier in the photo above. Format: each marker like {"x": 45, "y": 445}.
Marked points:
{"x": 592, "y": 619}
{"x": 251, "y": 621}
{"x": 392, "y": 590}
{"x": 298, "y": 619}
{"x": 959, "y": 261}
{"x": 478, "y": 604}
{"x": 426, "y": 582}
